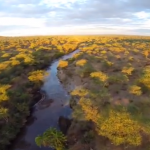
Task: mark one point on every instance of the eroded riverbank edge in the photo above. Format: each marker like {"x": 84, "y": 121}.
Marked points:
{"x": 77, "y": 131}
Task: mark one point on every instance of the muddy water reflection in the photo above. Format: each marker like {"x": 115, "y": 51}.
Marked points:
{"x": 45, "y": 115}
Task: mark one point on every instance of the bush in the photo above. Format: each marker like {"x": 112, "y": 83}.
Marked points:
{"x": 88, "y": 137}
{"x": 86, "y": 70}
{"x": 51, "y": 138}
{"x": 58, "y": 54}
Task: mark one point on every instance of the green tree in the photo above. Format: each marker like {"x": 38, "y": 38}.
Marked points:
{"x": 51, "y": 138}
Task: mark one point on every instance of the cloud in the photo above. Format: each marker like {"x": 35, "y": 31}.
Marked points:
{"x": 16, "y": 2}
{"x": 26, "y": 17}
{"x": 142, "y": 15}
{"x": 16, "y": 21}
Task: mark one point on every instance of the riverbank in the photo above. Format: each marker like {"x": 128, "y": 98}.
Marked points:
{"x": 50, "y": 112}
{"x": 19, "y": 57}
{"x": 109, "y": 88}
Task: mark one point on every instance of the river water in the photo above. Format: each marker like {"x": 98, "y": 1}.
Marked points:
{"x": 45, "y": 116}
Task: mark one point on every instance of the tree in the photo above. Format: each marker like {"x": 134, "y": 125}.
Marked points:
{"x": 51, "y": 138}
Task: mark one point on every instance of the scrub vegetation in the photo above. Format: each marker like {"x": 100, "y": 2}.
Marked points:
{"x": 110, "y": 98}
{"x": 22, "y": 64}
{"x": 111, "y": 95}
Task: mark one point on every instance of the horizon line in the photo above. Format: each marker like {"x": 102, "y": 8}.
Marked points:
{"x": 77, "y": 35}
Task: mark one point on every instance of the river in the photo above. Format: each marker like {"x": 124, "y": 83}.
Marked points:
{"x": 45, "y": 115}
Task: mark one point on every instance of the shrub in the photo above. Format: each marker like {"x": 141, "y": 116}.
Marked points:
{"x": 136, "y": 90}
{"x": 3, "y": 92}
{"x": 88, "y": 137}
{"x": 118, "y": 78}
{"x": 81, "y": 62}
{"x": 51, "y": 138}
{"x": 124, "y": 131}
{"x": 100, "y": 75}
{"x": 86, "y": 70}
{"x": 62, "y": 64}
{"x": 37, "y": 75}
{"x": 79, "y": 92}
{"x": 145, "y": 78}
{"x": 128, "y": 70}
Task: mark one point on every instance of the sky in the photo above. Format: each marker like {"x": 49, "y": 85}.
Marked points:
{"x": 74, "y": 17}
